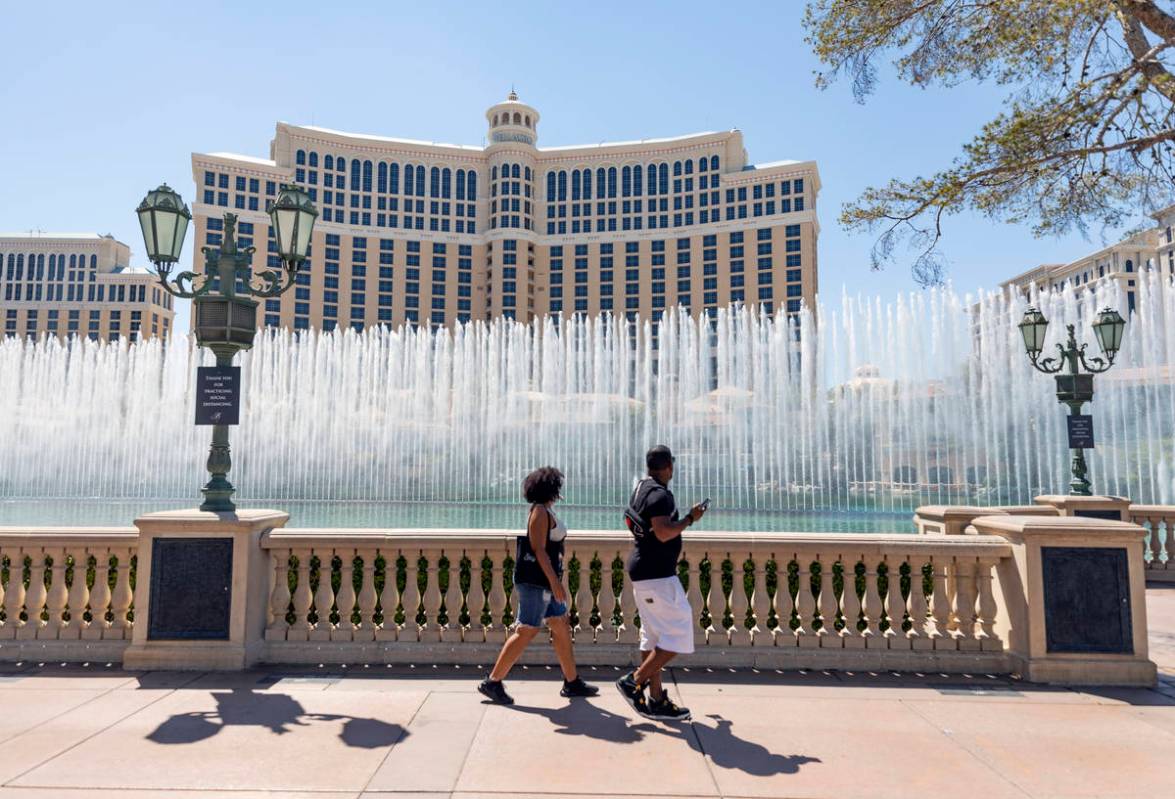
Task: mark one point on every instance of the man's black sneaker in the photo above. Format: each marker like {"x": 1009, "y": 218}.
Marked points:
{"x": 664, "y": 709}
{"x": 494, "y": 691}
{"x": 632, "y": 693}
{"x": 578, "y": 687}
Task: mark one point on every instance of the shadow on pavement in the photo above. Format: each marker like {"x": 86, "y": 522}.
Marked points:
{"x": 278, "y": 713}
{"x": 717, "y": 742}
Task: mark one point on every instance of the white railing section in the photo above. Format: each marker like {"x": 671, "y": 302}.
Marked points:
{"x": 67, "y": 584}
{"x": 782, "y": 591}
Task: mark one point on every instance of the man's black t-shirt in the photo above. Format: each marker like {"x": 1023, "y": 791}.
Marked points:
{"x": 652, "y": 558}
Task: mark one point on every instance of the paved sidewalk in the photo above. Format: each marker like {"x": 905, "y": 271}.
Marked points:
{"x": 96, "y": 731}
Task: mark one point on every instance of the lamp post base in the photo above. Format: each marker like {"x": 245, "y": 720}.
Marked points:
{"x": 218, "y": 495}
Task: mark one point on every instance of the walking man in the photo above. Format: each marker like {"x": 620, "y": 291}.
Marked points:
{"x": 666, "y": 617}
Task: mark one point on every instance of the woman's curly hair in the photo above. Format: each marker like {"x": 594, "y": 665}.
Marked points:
{"x": 542, "y": 485}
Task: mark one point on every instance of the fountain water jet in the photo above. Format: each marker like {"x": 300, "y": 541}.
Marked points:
{"x": 877, "y": 407}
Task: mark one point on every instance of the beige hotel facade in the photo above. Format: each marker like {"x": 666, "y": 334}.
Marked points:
{"x": 78, "y": 284}
{"x": 422, "y": 233}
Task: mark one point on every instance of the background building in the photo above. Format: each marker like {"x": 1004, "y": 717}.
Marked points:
{"x": 434, "y": 233}
{"x": 1149, "y": 250}
{"x": 78, "y": 284}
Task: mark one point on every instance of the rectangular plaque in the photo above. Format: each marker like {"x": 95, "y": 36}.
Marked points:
{"x": 1099, "y": 513}
{"x": 191, "y": 589}
{"x": 218, "y": 395}
{"x": 1086, "y": 600}
{"x": 1080, "y": 432}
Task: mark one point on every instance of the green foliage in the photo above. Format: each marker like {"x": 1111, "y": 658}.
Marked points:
{"x": 1087, "y": 134}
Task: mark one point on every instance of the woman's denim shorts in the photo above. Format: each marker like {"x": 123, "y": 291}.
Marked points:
{"x": 535, "y": 604}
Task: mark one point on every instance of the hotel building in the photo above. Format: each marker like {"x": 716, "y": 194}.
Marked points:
{"x": 1147, "y": 251}
{"x": 78, "y": 284}
{"x": 422, "y": 233}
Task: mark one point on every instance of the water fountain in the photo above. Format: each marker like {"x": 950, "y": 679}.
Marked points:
{"x": 878, "y": 407}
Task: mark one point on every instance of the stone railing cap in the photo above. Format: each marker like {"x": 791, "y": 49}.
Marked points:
{"x": 1071, "y": 499}
{"x": 194, "y": 519}
{"x": 943, "y": 512}
{"x": 1055, "y": 525}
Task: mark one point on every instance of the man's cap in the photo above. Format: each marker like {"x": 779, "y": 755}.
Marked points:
{"x": 658, "y": 457}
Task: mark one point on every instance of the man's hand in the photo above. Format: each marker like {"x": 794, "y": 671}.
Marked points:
{"x": 697, "y": 512}
{"x": 559, "y": 592}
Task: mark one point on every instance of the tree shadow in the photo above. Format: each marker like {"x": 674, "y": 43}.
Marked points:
{"x": 278, "y": 713}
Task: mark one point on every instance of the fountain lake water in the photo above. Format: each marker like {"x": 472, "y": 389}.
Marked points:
{"x": 874, "y": 409}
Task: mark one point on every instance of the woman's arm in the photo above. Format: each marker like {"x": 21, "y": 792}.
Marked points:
{"x": 537, "y": 530}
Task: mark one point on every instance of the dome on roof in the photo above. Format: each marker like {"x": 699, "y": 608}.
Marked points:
{"x": 512, "y": 121}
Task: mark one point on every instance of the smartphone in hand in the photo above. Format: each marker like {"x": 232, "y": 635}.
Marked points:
{"x": 706, "y": 504}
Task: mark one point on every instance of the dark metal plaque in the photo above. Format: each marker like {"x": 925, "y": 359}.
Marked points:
{"x": 1080, "y": 431}
{"x": 1099, "y": 513}
{"x": 191, "y": 589}
{"x": 1086, "y": 599}
{"x": 218, "y": 395}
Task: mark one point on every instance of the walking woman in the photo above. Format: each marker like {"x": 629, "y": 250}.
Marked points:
{"x": 538, "y": 579}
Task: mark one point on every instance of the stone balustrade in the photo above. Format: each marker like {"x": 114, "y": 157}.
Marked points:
{"x": 784, "y": 600}
{"x": 969, "y": 602}
{"x": 70, "y": 585}
{"x": 1159, "y": 521}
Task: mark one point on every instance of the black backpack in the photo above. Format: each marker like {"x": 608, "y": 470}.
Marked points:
{"x": 637, "y": 524}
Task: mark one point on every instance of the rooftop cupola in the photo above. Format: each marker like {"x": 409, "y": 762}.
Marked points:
{"x": 512, "y": 121}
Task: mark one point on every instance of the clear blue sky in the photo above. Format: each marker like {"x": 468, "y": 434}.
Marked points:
{"x": 105, "y": 100}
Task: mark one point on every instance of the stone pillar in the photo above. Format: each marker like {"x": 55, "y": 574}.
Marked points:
{"x": 1110, "y": 508}
{"x": 1072, "y": 601}
{"x": 201, "y": 595}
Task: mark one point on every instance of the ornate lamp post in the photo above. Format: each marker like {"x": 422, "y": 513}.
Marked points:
{"x": 1075, "y": 388}
{"x": 223, "y": 297}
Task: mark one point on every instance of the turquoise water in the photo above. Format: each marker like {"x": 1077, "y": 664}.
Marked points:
{"x": 121, "y": 513}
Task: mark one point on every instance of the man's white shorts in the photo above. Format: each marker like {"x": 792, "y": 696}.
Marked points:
{"x": 667, "y": 621}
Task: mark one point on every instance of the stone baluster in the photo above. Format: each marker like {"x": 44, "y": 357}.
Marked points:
{"x": 784, "y": 604}
{"x": 454, "y": 599}
{"x": 895, "y": 603}
{"x": 940, "y": 605}
{"x": 365, "y": 631}
{"x": 14, "y": 593}
{"x": 873, "y": 607}
{"x": 476, "y": 598}
{"x": 345, "y": 600}
{"x": 585, "y": 631}
{"x": 122, "y": 598}
{"x": 739, "y": 604}
{"x": 607, "y": 601}
{"x": 389, "y": 597}
{"x": 827, "y": 604}
{"x": 303, "y": 599}
{"x": 761, "y": 634}
{"x": 965, "y": 603}
{"x": 850, "y": 607}
{"x": 987, "y": 607}
{"x": 100, "y": 596}
{"x": 496, "y": 631}
{"x": 324, "y": 597}
{"x": 628, "y": 632}
{"x": 411, "y": 597}
{"x": 431, "y": 630}
{"x": 918, "y": 634}
{"x": 805, "y": 604}
{"x": 1156, "y": 540}
{"x": 58, "y": 597}
{"x": 79, "y": 596}
{"x": 694, "y": 594}
{"x": 279, "y": 595}
{"x": 34, "y": 601}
